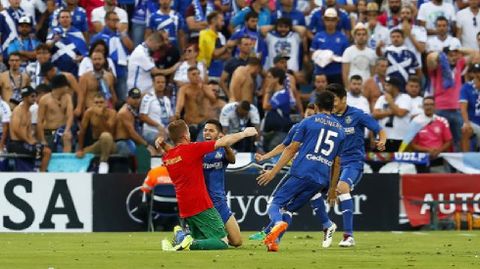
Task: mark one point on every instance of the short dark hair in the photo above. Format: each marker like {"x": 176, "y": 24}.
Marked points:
{"x": 212, "y": 16}
{"x": 42, "y": 46}
{"x": 310, "y": 106}
{"x": 244, "y": 105}
{"x": 15, "y": 53}
{"x": 62, "y": 11}
{"x": 356, "y": 77}
{"x": 99, "y": 95}
{"x": 414, "y": 79}
{"x": 398, "y": 31}
{"x": 216, "y": 123}
{"x": 192, "y": 68}
{"x": 441, "y": 18}
{"x": 254, "y": 61}
{"x": 213, "y": 82}
{"x": 59, "y": 81}
{"x": 251, "y": 15}
{"x": 429, "y": 98}
{"x": 109, "y": 13}
{"x": 43, "y": 87}
{"x": 284, "y": 21}
{"x": 158, "y": 75}
{"x": 337, "y": 89}
{"x": 324, "y": 100}
{"x": 278, "y": 73}
{"x": 177, "y": 129}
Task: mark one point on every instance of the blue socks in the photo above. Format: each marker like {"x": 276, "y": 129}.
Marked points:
{"x": 346, "y": 205}
{"x": 320, "y": 211}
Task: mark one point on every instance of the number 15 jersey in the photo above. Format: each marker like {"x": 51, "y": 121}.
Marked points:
{"x": 322, "y": 139}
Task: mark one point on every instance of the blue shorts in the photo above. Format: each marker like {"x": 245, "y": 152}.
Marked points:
{"x": 297, "y": 203}
{"x": 223, "y": 210}
{"x": 351, "y": 175}
{"x": 296, "y": 188}
{"x": 126, "y": 147}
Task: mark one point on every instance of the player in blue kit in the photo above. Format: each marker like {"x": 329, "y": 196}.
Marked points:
{"x": 318, "y": 141}
{"x": 354, "y": 122}
{"x": 214, "y": 165}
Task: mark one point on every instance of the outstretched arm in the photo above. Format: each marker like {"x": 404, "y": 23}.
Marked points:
{"x": 274, "y": 152}
{"x": 287, "y": 155}
{"x": 231, "y": 139}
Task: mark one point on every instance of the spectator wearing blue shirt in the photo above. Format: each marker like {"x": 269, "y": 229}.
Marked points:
{"x": 24, "y": 44}
{"x": 470, "y": 108}
{"x": 142, "y": 11}
{"x": 287, "y": 9}
{"x": 260, "y": 7}
{"x": 334, "y": 40}
{"x": 79, "y": 17}
{"x": 317, "y": 19}
{"x": 119, "y": 45}
{"x": 169, "y": 20}
{"x": 250, "y": 29}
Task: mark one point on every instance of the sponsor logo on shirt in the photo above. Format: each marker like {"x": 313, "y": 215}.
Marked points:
{"x": 349, "y": 130}
{"x": 173, "y": 161}
{"x": 216, "y": 165}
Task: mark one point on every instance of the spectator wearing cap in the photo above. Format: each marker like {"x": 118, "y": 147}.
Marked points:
{"x": 79, "y": 17}
{"x": 55, "y": 116}
{"x": 251, "y": 29}
{"x": 442, "y": 39}
{"x": 435, "y": 136}
{"x": 119, "y": 46}
{"x": 330, "y": 40}
{"x": 96, "y": 132}
{"x": 358, "y": 59}
{"x": 98, "y": 16}
{"x": 13, "y": 80}
{"x": 430, "y": 11}
{"x": 127, "y": 130}
{"x": 285, "y": 39}
{"x": 288, "y": 9}
{"x": 33, "y": 69}
{"x": 258, "y": 6}
{"x": 67, "y": 44}
{"x": 470, "y": 109}
{"x": 22, "y": 140}
{"x": 48, "y": 71}
{"x": 402, "y": 62}
{"x": 317, "y": 21}
{"x": 245, "y": 46}
{"x": 170, "y": 21}
{"x": 392, "y": 110}
{"x": 391, "y": 16}
{"x": 468, "y": 25}
{"x": 213, "y": 48}
{"x": 415, "y": 37}
{"x": 25, "y": 43}
{"x": 445, "y": 74}
{"x": 377, "y": 33}
{"x": 141, "y": 65}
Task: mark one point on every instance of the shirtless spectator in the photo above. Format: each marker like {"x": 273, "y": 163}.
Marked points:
{"x": 96, "y": 132}
{"x": 13, "y": 80}
{"x": 196, "y": 99}
{"x": 242, "y": 86}
{"x": 374, "y": 87}
{"x": 22, "y": 140}
{"x": 55, "y": 116}
{"x": 49, "y": 71}
{"x": 127, "y": 134}
{"x": 98, "y": 81}
{"x": 156, "y": 111}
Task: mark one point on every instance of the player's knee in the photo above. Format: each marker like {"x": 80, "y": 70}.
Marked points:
{"x": 343, "y": 188}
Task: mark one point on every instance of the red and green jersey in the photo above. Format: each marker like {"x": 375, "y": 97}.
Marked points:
{"x": 185, "y": 167}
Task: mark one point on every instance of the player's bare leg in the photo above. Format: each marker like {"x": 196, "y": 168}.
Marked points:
{"x": 233, "y": 231}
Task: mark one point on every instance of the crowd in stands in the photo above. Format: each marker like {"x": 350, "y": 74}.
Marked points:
{"x": 107, "y": 76}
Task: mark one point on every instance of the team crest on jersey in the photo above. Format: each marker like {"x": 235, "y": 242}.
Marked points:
{"x": 337, "y": 40}
{"x": 78, "y": 17}
{"x": 348, "y": 119}
{"x": 218, "y": 155}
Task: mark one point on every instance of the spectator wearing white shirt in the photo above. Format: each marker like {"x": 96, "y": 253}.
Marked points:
{"x": 358, "y": 59}
{"x": 377, "y": 33}
{"x": 235, "y": 117}
{"x": 415, "y": 36}
{"x": 98, "y": 16}
{"x": 156, "y": 111}
{"x": 442, "y": 39}
{"x": 392, "y": 110}
{"x": 430, "y": 11}
{"x": 5, "y": 114}
{"x": 413, "y": 90}
{"x": 190, "y": 55}
{"x": 141, "y": 65}
{"x": 468, "y": 24}
{"x": 354, "y": 94}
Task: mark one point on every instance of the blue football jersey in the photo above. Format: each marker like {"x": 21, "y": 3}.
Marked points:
{"x": 354, "y": 122}
{"x": 321, "y": 137}
{"x": 214, "y": 166}
{"x": 291, "y": 133}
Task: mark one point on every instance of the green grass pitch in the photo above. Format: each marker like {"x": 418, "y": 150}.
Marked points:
{"x": 298, "y": 250}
